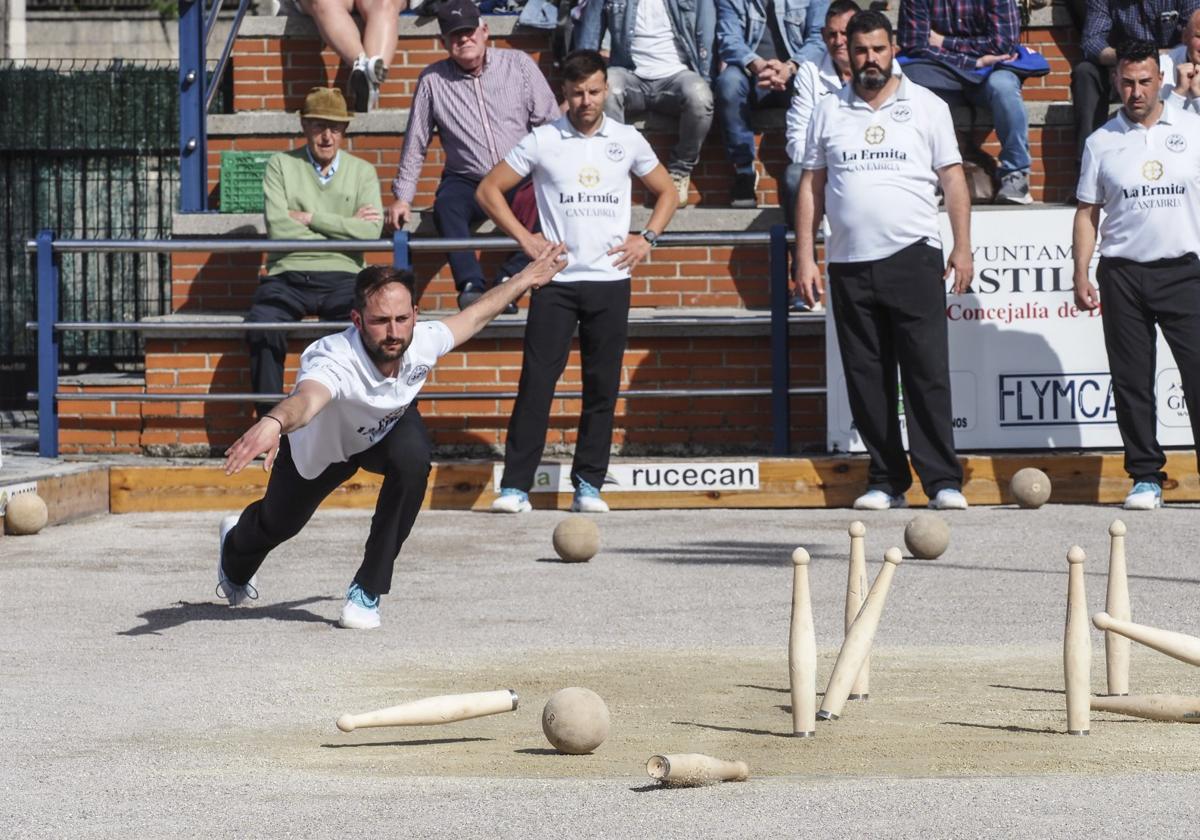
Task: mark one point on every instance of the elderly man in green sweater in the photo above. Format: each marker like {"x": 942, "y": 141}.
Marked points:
{"x": 315, "y": 192}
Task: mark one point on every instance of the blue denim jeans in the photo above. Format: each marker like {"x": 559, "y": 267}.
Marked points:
{"x": 736, "y": 96}
{"x": 1000, "y": 92}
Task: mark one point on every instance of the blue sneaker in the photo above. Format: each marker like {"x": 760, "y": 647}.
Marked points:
{"x": 361, "y": 611}
{"x": 511, "y": 500}
{"x": 587, "y": 499}
{"x": 1145, "y": 495}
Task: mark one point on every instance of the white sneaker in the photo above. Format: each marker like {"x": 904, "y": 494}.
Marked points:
{"x": 360, "y": 611}
{"x": 682, "y": 182}
{"x": 227, "y": 589}
{"x": 879, "y": 500}
{"x": 511, "y": 500}
{"x": 587, "y": 499}
{"x": 1145, "y": 495}
{"x": 948, "y": 499}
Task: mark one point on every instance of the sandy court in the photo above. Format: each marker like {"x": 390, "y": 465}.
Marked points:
{"x": 140, "y": 706}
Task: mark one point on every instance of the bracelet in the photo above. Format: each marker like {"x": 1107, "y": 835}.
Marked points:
{"x": 277, "y": 420}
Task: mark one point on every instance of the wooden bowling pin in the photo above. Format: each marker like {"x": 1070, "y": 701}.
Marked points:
{"x": 802, "y": 651}
{"x": 1077, "y": 648}
{"x": 856, "y": 593}
{"x": 857, "y": 646}
{"x": 1170, "y": 707}
{"x": 1116, "y": 602}
{"x": 1181, "y": 646}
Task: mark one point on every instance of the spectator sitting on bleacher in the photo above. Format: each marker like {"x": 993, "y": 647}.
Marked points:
{"x": 814, "y": 81}
{"x": 1109, "y": 23}
{"x": 482, "y": 100}
{"x": 367, "y": 54}
{"x": 316, "y": 192}
{"x": 1181, "y": 67}
{"x": 662, "y": 61}
{"x": 958, "y": 49}
{"x": 762, "y": 42}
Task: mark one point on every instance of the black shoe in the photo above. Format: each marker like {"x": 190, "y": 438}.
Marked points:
{"x": 468, "y": 295}
{"x": 360, "y": 87}
{"x": 745, "y": 185}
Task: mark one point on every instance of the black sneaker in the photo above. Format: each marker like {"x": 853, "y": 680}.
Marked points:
{"x": 745, "y": 185}
{"x": 469, "y": 295}
{"x": 360, "y": 87}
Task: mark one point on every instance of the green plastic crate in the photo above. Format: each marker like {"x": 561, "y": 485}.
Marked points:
{"x": 242, "y": 181}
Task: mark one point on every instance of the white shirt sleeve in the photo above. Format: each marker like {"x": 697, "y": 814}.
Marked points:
{"x": 323, "y": 363}
{"x": 943, "y": 142}
{"x": 814, "y": 141}
{"x": 799, "y": 113}
{"x": 644, "y": 159}
{"x": 435, "y": 338}
{"x": 1089, "y": 190}
{"x": 524, "y": 156}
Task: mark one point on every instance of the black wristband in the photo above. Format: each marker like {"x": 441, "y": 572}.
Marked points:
{"x": 277, "y": 420}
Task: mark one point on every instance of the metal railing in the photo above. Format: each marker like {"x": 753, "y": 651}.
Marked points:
{"x": 48, "y": 326}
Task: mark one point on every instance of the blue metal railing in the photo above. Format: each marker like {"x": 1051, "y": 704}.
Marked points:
{"x": 196, "y": 93}
{"x": 402, "y": 247}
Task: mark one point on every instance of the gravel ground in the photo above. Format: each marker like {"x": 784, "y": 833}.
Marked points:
{"x": 137, "y": 705}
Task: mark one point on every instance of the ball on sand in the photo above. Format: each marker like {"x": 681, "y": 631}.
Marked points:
{"x": 575, "y": 720}
{"x": 1030, "y": 487}
{"x": 576, "y": 539}
{"x": 25, "y": 514}
{"x": 927, "y": 536}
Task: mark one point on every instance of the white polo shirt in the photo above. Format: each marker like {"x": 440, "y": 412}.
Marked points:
{"x": 1148, "y": 181}
{"x": 812, "y": 83}
{"x": 583, "y": 190}
{"x": 881, "y": 169}
{"x": 366, "y": 404}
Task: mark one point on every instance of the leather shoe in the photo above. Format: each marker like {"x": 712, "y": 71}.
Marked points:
{"x": 469, "y": 295}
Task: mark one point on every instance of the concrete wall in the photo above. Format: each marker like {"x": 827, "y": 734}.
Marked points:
{"x": 128, "y": 35}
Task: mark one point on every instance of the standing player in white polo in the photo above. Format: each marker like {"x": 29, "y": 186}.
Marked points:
{"x": 876, "y": 152}
{"x": 1143, "y": 168}
{"x": 354, "y": 406}
{"x": 581, "y": 165}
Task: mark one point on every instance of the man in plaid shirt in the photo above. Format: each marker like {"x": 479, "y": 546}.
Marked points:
{"x": 955, "y": 48}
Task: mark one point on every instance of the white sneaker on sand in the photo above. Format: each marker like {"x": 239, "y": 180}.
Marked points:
{"x": 227, "y": 589}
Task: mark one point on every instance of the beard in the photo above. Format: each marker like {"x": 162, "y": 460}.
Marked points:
{"x": 379, "y": 354}
{"x": 872, "y": 77}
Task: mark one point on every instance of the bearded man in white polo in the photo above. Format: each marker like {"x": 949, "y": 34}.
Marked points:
{"x": 877, "y": 151}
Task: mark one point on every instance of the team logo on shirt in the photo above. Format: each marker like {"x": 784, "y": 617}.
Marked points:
{"x": 1176, "y": 143}
{"x": 874, "y": 135}
{"x": 615, "y": 152}
{"x": 417, "y": 374}
{"x": 1152, "y": 170}
{"x": 902, "y": 113}
{"x": 589, "y": 177}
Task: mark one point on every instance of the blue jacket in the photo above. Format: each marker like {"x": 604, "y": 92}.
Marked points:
{"x": 741, "y": 24}
{"x": 694, "y": 22}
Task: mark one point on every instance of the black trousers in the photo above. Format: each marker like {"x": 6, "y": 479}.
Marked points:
{"x": 894, "y": 311}
{"x": 402, "y": 457}
{"x": 601, "y": 310}
{"x": 454, "y": 212}
{"x": 1091, "y": 93}
{"x": 1135, "y": 297}
{"x": 289, "y": 296}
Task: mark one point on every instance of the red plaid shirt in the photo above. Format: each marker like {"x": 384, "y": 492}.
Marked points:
{"x": 972, "y": 28}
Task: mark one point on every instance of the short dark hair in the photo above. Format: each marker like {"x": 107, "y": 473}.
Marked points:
{"x": 1136, "y": 50}
{"x": 581, "y": 64}
{"x": 374, "y": 277}
{"x": 839, "y": 7}
{"x": 868, "y": 21}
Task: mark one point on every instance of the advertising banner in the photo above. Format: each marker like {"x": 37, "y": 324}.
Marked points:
{"x": 652, "y": 476}
{"x": 1028, "y": 369}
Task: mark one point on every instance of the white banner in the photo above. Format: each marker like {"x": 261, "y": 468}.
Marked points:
{"x": 649, "y": 477}
{"x": 1028, "y": 370}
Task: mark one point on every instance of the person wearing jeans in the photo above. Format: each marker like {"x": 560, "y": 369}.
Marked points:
{"x": 662, "y": 60}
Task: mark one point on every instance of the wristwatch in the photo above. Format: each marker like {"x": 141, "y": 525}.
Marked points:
{"x": 650, "y": 236}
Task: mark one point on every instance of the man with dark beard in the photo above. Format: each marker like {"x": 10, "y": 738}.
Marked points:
{"x": 877, "y": 151}
{"x": 354, "y": 407}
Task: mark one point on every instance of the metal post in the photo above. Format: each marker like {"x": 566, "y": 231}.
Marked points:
{"x": 781, "y": 413}
{"x": 47, "y": 345}
{"x": 193, "y": 132}
{"x": 401, "y": 256}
